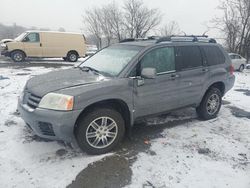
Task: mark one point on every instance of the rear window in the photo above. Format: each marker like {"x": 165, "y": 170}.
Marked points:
{"x": 188, "y": 57}
{"x": 214, "y": 55}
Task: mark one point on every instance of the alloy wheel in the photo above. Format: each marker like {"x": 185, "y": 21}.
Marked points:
{"x": 213, "y": 104}
{"x": 101, "y": 132}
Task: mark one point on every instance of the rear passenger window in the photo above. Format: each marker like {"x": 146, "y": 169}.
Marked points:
{"x": 188, "y": 57}
{"x": 214, "y": 55}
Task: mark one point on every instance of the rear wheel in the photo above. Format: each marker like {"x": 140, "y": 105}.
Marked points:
{"x": 210, "y": 104}
{"x": 17, "y": 56}
{"x": 241, "y": 68}
{"x": 100, "y": 131}
{"x": 72, "y": 57}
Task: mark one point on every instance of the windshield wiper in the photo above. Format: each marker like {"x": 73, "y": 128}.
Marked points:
{"x": 86, "y": 68}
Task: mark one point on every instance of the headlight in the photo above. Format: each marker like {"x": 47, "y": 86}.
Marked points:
{"x": 3, "y": 46}
{"x": 55, "y": 101}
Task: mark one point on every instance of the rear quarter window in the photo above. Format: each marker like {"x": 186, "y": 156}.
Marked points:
{"x": 213, "y": 55}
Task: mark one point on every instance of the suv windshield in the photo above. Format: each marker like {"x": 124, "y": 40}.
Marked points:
{"x": 20, "y": 37}
{"x": 112, "y": 60}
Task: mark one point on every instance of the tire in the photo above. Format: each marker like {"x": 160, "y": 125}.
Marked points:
{"x": 93, "y": 124}
{"x": 17, "y": 56}
{"x": 210, "y": 104}
{"x": 241, "y": 68}
{"x": 72, "y": 56}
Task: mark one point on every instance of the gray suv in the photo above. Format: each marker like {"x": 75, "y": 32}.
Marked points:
{"x": 96, "y": 102}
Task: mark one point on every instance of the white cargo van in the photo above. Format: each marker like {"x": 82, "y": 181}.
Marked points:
{"x": 69, "y": 46}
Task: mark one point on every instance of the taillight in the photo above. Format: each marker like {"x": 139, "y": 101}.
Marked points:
{"x": 231, "y": 69}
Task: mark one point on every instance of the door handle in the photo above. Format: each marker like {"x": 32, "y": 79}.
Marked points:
{"x": 204, "y": 69}
{"x": 174, "y": 76}
{"x": 41, "y": 45}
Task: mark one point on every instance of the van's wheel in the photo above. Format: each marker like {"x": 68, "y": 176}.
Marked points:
{"x": 100, "y": 130}
{"x": 210, "y": 104}
{"x": 17, "y": 56}
{"x": 241, "y": 68}
{"x": 72, "y": 57}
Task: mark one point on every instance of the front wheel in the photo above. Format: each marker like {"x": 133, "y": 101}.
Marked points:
{"x": 100, "y": 131}
{"x": 17, "y": 56}
{"x": 210, "y": 104}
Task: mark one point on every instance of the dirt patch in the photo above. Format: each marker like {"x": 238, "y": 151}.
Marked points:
{"x": 9, "y": 123}
{"x": 110, "y": 172}
{"x": 245, "y": 91}
{"x": 204, "y": 151}
{"x": 240, "y": 113}
{"x": 115, "y": 171}
{"x": 61, "y": 152}
{"x": 23, "y": 74}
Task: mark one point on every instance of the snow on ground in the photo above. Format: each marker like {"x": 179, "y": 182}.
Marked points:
{"x": 193, "y": 154}
{"x": 214, "y": 153}
{"x": 25, "y": 160}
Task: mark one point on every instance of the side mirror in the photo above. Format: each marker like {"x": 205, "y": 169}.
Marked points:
{"x": 25, "y": 39}
{"x": 148, "y": 73}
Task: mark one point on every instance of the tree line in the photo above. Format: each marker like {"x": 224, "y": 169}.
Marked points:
{"x": 12, "y": 31}
{"x": 133, "y": 19}
{"x": 235, "y": 26}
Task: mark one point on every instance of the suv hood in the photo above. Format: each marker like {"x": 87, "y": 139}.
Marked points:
{"x": 57, "y": 80}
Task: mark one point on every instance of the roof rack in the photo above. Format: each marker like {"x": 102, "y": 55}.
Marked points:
{"x": 174, "y": 38}
{"x": 139, "y": 39}
{"x": 186, "y": 38}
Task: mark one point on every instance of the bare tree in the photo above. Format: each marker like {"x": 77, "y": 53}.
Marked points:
{"x": 235, "y": 25}
{"x": 115, "y": 20}
{"x": 171, "y": 28}
{"x": 106, "y": 23}
{"x": 91, "y": 19}
{"x": 109, "y": 22}
{"x": 138, "y": 19}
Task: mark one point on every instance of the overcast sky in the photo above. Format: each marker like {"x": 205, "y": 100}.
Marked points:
{"x": 191, "y": 15}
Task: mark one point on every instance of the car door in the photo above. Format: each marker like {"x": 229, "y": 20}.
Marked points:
{"x": 152, "y": 96}
{"x": 192, "y": 74}
{"x": 32, "y": 45}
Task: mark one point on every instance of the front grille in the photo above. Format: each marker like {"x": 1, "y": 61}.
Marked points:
{"x": 33, "y": 100}
{"x": 46, "y": 128}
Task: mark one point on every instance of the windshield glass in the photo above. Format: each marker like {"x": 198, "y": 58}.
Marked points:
{"x": 20, "y": 37}
{"x": 112, "y": 60}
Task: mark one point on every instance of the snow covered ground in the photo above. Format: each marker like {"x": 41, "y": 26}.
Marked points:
{"x": 25, "y": 160}
{"x": 194, "y": 154}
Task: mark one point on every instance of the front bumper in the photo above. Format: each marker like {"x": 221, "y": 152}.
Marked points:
{"x": 5, "y": 53}
{"x": 50, "y": 124}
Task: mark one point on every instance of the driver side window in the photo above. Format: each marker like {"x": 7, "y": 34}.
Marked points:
{"x": 32, "y": 37}
{"x": 162, "y": 59}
